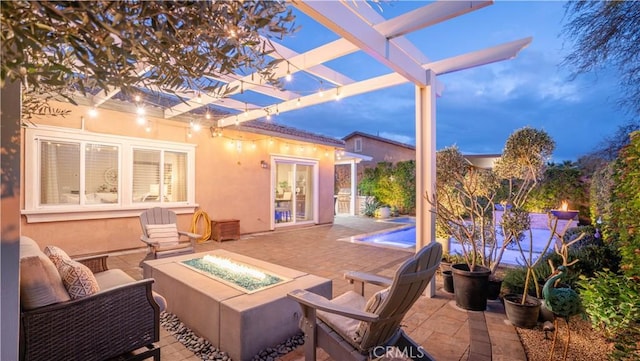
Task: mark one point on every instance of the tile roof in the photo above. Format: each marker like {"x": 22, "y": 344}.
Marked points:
{"x": 262, "y": 127}
{"x": 361, "y": 134}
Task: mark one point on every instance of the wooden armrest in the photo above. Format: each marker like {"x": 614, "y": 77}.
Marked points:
{"x": 190, "y": 235}
{"x": 318, "y": 302}
{"x": 95, "y": 263}
{"x": 353, "y": 276}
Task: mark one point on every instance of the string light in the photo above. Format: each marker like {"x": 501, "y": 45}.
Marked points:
{"x": 141, "y": 120}
{"x": 298, "y": 102}
{"x": 338, "y": 94}
{"x": 246, "y": 110}
{"x": 137, "y": 98}
{"x": 140, "y": 110}
{"x": 277, "y": 110}
{"x": 237, "y": 121}
{"x": 189, "y": 133}
{"x": 288, "y": 77}
{"x": 207, "y": 115}
{"x": 199, "y": 98}
{"x": 321, "y": 92}
{"x": 268, "y": 113}
{"x": 93, "y": 112}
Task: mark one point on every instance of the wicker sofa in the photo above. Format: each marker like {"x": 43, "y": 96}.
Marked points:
{"x": 121, "y": 319}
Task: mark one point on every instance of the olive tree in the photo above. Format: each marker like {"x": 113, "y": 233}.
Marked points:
{"x": 58, "y": 48}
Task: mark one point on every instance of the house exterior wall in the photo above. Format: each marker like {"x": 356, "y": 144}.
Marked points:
{"x": 379, "y": 151}
{"x": 229, "y": 184}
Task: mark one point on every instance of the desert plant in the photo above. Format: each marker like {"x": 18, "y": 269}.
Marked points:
{"x": 465, "y": 195}
{"x": 371, "y": 205}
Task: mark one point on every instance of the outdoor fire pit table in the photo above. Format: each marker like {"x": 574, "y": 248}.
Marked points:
{"x": 200, "y": 290}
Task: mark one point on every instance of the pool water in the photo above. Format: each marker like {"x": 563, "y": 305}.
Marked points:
{"x": 405, "y": 238}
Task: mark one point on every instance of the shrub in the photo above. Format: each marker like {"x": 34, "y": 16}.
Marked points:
{"x": 613, "y": 304}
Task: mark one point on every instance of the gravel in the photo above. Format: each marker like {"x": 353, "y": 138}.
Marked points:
{"x": 206, "y": 351}
{"x": 586, "y": 343}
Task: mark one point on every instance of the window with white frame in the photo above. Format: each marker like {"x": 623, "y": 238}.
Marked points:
{"x": 70, "y": 170}
{"x": 357, "y": 145}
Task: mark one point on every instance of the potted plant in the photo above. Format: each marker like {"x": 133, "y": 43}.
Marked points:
{"x": 464, "y": 200}
{"x": 523, "y": 310}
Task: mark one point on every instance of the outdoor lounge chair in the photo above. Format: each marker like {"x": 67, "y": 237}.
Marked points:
{"x": 349, "y": 327}
{"x": 161, "y": 235}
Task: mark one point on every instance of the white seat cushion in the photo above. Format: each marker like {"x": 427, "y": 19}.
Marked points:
{"x": 163, "y": 234}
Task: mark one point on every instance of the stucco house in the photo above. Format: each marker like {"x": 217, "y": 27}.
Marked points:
{"x": 378, "y": 148}
{"x": 87, "y": 178}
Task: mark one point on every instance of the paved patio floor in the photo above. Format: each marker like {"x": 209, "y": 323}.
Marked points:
{"x": 445, "y": 331}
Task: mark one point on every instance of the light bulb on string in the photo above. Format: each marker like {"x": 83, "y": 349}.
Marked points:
{"x": 277, "y": 110}
{"x": 338, "y": 94}
{"x": 288, "y": 77}
{"x": 140, "y": 110}
{"x": 196, "y": 127}
{"x": 141, "y": 120}
{"x": 199, "y": 98}
{"x": 189, "y": 133}
{"x": 207, "y": 115}
{"x": 268, "y": 113}
{"x": 298, "y": 102}
{"x": 321, "y": 92}
{"x": 237, "y": 120}
{"x": 93, "y": 112}
{"x": 246, "y": 110}
{"x": 137, "y": 98}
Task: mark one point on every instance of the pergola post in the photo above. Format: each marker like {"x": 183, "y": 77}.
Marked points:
{"x": 354, "y": 187}
{"x": 426, "y": 165}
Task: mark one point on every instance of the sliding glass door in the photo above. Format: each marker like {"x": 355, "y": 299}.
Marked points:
{"x": 295, "y": 191}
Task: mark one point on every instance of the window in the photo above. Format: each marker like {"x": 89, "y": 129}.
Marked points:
{"x": 357, "y": 145}
{"x": 75, "y": 171}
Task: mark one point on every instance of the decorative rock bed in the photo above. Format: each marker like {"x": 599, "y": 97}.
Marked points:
{"x": 206, "y": 351}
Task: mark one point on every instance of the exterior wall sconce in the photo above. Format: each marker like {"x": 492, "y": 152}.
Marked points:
{"x": 264, "y": 164}
{"x": 216, "y": 131}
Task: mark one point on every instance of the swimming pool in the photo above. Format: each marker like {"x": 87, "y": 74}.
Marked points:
{"x": 404, "y": 237}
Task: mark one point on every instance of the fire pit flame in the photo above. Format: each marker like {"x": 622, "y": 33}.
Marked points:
{"x": 231, "y": 266}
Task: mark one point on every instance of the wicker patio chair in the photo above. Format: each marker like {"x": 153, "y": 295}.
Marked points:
{"x": 349, "y": 327}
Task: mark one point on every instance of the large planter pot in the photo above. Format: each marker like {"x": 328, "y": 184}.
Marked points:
{"x": 494, "y": 289}
{"x": 522, "y": 315}
{"x": 447, "y": 277}
{"x": 470, "y": 286}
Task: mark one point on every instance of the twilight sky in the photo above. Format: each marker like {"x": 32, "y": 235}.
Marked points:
{"x": 479, "y": 107}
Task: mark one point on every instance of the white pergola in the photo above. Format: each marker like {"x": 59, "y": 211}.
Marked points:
{"x": 361, "y": 28}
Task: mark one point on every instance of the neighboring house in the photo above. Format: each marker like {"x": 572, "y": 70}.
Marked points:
{"x": 86, "y": 179}
{"x": 378, "y": 148}
{"x": 387, "y": 150}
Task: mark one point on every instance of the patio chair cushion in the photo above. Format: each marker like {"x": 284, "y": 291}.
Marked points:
{"x": 56, "y": 254}
{"x": 346, "y": 326}
{"x": 117, "y": 277}
{"x": 40, "y": 282}
{"x": 373, "y": 304}
{"x": 78, "y": 279}
{"x": 163, "y": 234}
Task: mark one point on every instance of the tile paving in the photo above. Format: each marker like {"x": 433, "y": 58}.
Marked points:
{"x": 445, "y": 331}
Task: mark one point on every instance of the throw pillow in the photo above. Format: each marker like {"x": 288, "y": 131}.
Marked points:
{"x": 77, "y": 279}
{"x": 56, "y": 254}
{"x": 163, "y": 234}
{"x": 372, "y": 306}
